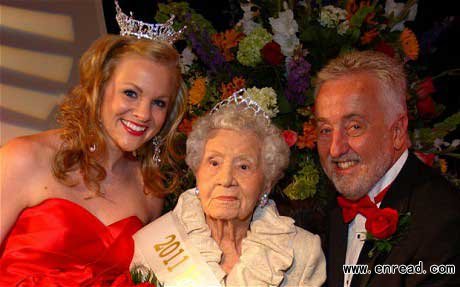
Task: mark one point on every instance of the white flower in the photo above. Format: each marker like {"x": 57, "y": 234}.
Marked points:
{"x": 330, "y": 16}
{"x": 417, "y": 144}
{"x": 246, "y": 22}
{"x": 266, "y": 98}
{"x": 438, "y": 143}
{"x": 287, "y": 43}
{"x": 284, "y": 29}
{"x": 455, "y": 143}
{"x": 302, "y": 3}
{"x": 396, "y": 9}
{"x": 285, "y": 23}
{"x": 186, "y": 59}
{"x": 249, "y": 26}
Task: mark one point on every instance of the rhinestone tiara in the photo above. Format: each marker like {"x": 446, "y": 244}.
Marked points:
{"x": 240, "y": 97}
{"x": 132, "y": 27}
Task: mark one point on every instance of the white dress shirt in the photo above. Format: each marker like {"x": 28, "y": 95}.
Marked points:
{"x": 356, "y": 228}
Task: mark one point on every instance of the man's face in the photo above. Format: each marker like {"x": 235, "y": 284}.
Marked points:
{"x": 354, "y": 143}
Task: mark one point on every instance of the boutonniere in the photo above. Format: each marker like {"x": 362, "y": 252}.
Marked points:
{"x": 140, "y": 276}
{"x": 384, "y": 228}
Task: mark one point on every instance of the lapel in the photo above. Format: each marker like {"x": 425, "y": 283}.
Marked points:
{"x": 337, "y": 247}
{"x": 398, "y": 197}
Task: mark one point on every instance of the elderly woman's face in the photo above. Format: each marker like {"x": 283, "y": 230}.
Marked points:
{"x": 230, "y": 176}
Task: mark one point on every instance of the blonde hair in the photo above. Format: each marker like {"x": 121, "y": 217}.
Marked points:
{"x": 388, "y": 71}
{"x": 79, "y": 114}
{"x": 275, "y": 151}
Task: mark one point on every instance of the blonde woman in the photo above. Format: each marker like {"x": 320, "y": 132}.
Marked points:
{"x": 72, "y": 197}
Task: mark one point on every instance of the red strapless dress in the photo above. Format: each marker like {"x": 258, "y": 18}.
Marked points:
{"x": 59, "y": 243}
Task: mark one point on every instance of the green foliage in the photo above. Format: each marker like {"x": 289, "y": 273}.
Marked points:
{"x": 425, "y": 137}
{"x": 357, "y": 19}
{"x": 304, "y": 184}
{"x": 180, "y": 10}
{"x": 248, "y": 50}
{"x": 142, "y": 274}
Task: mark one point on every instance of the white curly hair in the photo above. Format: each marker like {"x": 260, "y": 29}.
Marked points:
{"x": 275, "y": 151}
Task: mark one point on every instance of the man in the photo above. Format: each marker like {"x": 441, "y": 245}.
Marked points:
{"x": 363, "y": 147}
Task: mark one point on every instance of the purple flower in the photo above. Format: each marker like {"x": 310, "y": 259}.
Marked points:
{"x": 298, "y": 80}
{"x": 206, "y": 51}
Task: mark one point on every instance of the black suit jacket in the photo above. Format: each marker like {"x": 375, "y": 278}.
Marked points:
{"x": 433, "y": 236}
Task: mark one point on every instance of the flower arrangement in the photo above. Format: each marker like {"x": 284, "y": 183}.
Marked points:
{"x": 139, "y": 275}
{"x": 275, "y": 50}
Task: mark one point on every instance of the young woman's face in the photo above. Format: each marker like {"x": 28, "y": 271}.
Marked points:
{"x": 135, "y": 102}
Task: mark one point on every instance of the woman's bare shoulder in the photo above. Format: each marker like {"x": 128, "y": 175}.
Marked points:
{"x": 25, "y": 163}
{"x": 24, "y": 153}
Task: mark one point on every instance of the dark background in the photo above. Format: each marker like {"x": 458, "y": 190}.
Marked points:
{"x": 444, "y": 48}
{"x": 216, "y": 11}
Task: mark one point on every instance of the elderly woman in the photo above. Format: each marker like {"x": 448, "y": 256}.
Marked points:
{"x": 226, "y": 228}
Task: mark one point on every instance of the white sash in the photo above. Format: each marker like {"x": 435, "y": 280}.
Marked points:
{"x": 161, "y": 246}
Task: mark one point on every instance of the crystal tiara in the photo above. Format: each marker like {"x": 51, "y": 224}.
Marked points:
{"x": 240, "y": 97}
{"x": 132, "y": 27}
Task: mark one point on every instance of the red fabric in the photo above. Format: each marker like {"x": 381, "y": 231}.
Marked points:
{"x": 59, "y": 243}
{"x": 125, "y": 280}
{"x": 350, "y": 208}
{"x": 364, "y": 205}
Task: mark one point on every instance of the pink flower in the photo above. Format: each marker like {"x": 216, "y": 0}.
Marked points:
{"x": 290, "y": 137}
{"x": 425, "y": 88}
{"x": 385, "y": 48}
{"x": 427, "y": 158}
{"x": 426, "y": 108}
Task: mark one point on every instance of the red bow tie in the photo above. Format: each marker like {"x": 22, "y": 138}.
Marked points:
{"x": 364, "y": 205}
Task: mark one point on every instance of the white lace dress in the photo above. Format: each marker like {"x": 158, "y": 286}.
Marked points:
{"x": 274, "y": 253}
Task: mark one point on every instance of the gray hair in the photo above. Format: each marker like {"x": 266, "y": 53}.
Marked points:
{"x": 275, "y": 151}
{"x": 388, "y": 71}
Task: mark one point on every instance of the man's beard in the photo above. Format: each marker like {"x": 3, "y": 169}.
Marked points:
{"x": 355, "y": 186}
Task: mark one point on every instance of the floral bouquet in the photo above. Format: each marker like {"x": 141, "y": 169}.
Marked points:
{"x": 275, "y": 50}
{"x": 140, "y": 276}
